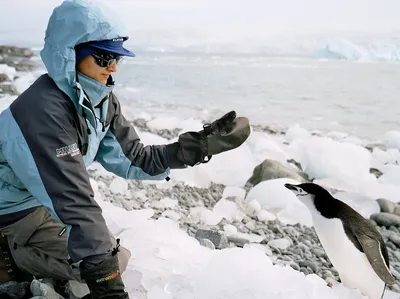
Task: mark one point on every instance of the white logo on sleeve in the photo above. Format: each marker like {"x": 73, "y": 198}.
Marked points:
{"x": 69, "y": 150}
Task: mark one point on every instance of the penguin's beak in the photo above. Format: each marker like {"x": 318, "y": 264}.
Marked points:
{"x": 291, "y": 187}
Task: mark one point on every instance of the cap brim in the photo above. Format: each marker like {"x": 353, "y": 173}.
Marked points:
{"x": 121, "y": 51}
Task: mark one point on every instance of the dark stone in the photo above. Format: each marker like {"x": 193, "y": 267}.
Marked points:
{"x": 376, "y": 172}
{"x": 271, "y": 169}
{"x": 219, "y": 240}
{"x": 8, "y": 89}
{"x": 4, "y": 78}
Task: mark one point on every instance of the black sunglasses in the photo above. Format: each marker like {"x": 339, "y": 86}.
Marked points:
{"x": 104, "y": 59}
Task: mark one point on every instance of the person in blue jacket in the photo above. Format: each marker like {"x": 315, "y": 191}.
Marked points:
{"x": 67, "y": 119}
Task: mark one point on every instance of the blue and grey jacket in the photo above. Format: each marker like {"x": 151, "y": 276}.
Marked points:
{"x": 61, "y": 124}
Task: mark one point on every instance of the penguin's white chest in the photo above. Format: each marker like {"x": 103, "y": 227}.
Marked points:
{"x": 352, "y": 265}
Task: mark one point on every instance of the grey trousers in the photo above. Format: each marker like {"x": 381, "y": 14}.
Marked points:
{"x": 39, "y": 249}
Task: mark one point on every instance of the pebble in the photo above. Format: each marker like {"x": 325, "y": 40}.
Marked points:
{"x": 386, "y": 205}
{"x": 386, "y": 219}
{"x": 206, "y": 243}
{"x": 310, "y": 264}
{"x": 219, "y": 240}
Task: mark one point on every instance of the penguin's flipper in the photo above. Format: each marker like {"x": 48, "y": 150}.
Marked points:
{"x": 372, "y": 250}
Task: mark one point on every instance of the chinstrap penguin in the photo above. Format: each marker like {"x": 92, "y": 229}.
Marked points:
{"x": 353, "y": 245}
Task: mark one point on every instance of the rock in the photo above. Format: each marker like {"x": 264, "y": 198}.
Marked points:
{"x": 220, "y": 241}
{"x": 318, "y": 252}
{"x": 251, "y": 225}
{"x": 14, "y": 290}
{"x": 44, "y": 289}
{"x": 4, "y": 78}
{"x": 386, "y": 219}
{"x": 15, "y": 51}
{"x": 310, "y": 264}
{"x": 376, "y": 172}
{"x": 396, "y": 209}
{"x": 389, "y": 244}
{"x": 386, "y": 205}
{"x": 19, "y": 58}
{"x": 239, "y": 242}
{"x": 394, "y": 229}
{"x": 271, "y": 169}
{"x": 295, "y": 266}
{"x": 8, "y": 89}
{"x": 282, "y": 243}
{"x": 207, "y": 243}
{"x": 395, "y": 238}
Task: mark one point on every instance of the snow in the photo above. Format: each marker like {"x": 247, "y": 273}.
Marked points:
{"x": 167, "y": 263}
{"x": 8, "y": 70}
{"x": 391, "y": 175}
{"x": 392, "y": 139}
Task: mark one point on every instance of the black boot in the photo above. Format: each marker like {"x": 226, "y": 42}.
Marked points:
{"x": 14, "y": 284}
{"x": 104, "y": 280}
{"x": 9, "y": 271}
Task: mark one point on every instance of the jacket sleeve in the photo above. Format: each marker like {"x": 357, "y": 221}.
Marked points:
{"x": 44, "y": 154}
{"x": 122, "y": 152}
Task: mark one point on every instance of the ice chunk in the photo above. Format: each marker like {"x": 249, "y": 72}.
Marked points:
{"x": 264, "y": 146}
{"x": 282, "y": 243}
{"x": 227, "y": 209}
{"x": 230, "y": 191}
{"x": 119, "y": 186}
{"x": 296, "y": 131}
{"x": 211, "y": 217}
{"x": 391, "y": 175}
{"x": 265, "y": 216}
{"x": 221, "y": 168}
{"x": 391, "y": 139}
{"x": 230, "y": 229}
{"x": 325, "y": 158}
{"x": 195, "y": 176}
{"x": 274, "y": 197}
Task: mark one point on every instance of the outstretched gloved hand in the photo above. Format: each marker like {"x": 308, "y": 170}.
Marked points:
{"x": 224, "y": 134}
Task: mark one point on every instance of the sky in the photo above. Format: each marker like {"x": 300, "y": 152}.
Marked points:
{"x": 23, "y": 21}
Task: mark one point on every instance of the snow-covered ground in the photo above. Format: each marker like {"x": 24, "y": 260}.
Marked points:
{"x": 168, "y": 263}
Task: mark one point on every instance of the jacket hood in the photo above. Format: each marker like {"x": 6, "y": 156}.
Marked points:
{"x": 72, "y": 23}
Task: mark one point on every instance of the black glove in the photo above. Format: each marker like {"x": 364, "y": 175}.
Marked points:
{"x": 224, "y": 134}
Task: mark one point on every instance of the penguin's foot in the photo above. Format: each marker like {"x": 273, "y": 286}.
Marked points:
{"x": 331, "y": 282}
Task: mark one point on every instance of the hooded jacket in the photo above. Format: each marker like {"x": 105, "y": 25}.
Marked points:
{"x": 61, "y": 124}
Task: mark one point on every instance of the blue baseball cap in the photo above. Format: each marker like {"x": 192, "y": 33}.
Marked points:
{"x": 113, "y": 46}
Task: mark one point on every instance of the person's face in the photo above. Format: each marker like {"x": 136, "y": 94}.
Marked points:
{"x": 98, "y": 68}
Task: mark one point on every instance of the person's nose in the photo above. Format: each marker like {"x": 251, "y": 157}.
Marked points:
{"x": 113, "y": 67}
